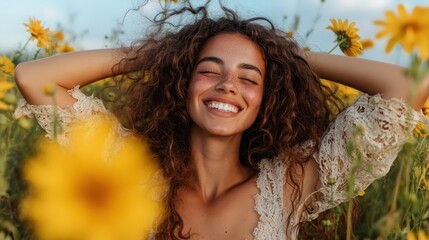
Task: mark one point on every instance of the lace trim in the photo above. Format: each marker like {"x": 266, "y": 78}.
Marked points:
{"x": 377, "y": 129}
{"x": 269, "y": 203}
{"x": 85, "y": 106}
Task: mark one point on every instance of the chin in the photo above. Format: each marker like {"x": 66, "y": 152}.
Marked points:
{"x": 223, "y": 133}
{"x": 218, "y": 131}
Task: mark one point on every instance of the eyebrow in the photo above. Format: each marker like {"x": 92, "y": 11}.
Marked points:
{"x": 221, "y": 62}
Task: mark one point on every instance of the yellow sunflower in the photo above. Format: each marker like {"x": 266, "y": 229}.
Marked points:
{"x": 347, "y": 37}
{"x": 99, "y": 186}
{"x": 290, "y": 34}
{"x": 421, "y": 130}
{"x": 420, "y": 173}
{"x": 421, "y": 235}
{"x": 411, "y": 30}
{"x": 59, "y": 35}
{"x": 425, "y": 108}
{"x": 347, "y": 94}
{"x": 64, "y": 48}
{"x": 39, "y": 33}
{"x": 4, "y": 87}
{"x": 6, "y": 65}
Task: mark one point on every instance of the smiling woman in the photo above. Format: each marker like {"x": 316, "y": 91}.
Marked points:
{"x": 238, "y": 119}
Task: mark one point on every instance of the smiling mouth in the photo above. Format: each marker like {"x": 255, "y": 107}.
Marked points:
{"x": 224, "y": 107}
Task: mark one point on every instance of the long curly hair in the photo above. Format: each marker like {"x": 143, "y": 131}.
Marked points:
{"x": 295, "y": 106}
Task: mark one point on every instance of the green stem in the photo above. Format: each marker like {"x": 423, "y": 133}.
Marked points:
{"x": 55, "y": 117}
{"x": 398, "y": 182}
{"x": 37, "y": 54}
{"x": 18, "y": 52}
{"x": 336, "y": 45}
{"x": 9, "y": 134}
{"x": 351, "y": 184}
{"x": 315, "y": 21}
{"x": 356, "y": 163}
{"x": 349, "y": 219}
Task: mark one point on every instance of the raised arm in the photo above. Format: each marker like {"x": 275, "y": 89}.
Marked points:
{"x": 368, "y": 76}
{"x": 64, "y": 72}
{"x": 376, "y": 128}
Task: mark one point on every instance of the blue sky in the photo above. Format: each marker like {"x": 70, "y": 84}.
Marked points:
{"x": 92, "y": 20}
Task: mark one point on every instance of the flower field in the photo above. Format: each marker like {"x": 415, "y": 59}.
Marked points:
{"x": 48, "y": 192}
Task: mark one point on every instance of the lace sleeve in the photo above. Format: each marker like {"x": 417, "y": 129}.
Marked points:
{"x": 84, "y": 107}
{"x": 376, "y": 129}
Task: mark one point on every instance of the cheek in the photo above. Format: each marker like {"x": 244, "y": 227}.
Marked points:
{"x": 254, "y": 101}
{"x": 192, "y": 89}
{"x": 196, "y": 87}
{"x": 254, "y": 97}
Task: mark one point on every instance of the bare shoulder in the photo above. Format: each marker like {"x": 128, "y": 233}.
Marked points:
{"x": 307, "y": 178}
{"x": 310, "y": 177}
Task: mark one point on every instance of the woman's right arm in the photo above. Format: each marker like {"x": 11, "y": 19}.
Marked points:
{"x": 63, "y": 72}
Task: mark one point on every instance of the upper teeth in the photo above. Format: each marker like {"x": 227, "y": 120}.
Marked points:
{"x": 225, "y": 107}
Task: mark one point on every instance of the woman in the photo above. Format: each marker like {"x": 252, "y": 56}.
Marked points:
{"x": 237, "y": 116}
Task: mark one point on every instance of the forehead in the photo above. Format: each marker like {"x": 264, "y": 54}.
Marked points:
{"x": 229, "y": 46}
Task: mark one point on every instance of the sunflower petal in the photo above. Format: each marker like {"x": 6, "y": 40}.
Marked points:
{"x": 390, "y": 44}
{"x": 4, "y": 106}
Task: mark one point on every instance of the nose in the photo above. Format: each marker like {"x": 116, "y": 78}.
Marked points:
{"x": 227, "y": 84}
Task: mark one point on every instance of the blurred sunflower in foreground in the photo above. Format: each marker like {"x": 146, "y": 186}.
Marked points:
{"x": 421, "y": 235}
{"x": 411, "y": 30}
{"x": 100, "y": 186}
{"x": 7, "y": 66}
{"x": 347, "y": 37}
{"x": 7, "y": 69}
{"x": 4, "y": 88}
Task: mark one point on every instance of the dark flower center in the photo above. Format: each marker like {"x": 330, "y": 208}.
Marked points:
{"x": 96, "y": 192}
{"x": 343, "y": 40}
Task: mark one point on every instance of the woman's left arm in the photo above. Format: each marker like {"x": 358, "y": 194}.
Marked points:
{"x": 368, "y": 76}
{"x": 376, "y": 127}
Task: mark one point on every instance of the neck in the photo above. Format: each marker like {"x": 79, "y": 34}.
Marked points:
{"x": 217, "y": 164}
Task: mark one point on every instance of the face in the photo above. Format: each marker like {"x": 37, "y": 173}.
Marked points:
{"x": 226, "y": 89}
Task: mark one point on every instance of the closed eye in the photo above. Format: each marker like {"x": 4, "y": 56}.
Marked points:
{"x": 209, "y": 73}
{"x": 249, "y": 81}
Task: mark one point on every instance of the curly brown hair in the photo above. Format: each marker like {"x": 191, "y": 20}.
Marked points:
{"x": 295, "y": 106}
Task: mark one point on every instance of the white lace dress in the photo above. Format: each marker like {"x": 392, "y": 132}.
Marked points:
{"x": 385, "y": 126}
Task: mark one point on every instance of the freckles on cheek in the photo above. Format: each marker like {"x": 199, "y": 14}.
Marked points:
{"x": 192, "y": 86}
{"x": 199, "y": 85}
{"x": 195, "y": 90}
